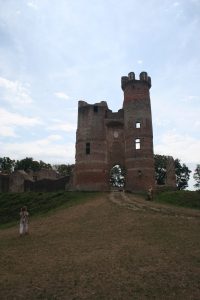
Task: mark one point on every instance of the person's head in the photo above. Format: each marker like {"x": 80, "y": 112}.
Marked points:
{"x": 24, "y": 208}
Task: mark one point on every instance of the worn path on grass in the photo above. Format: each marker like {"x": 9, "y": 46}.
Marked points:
{"x": 116, "y": 246}
{"x": 136, "y": 202}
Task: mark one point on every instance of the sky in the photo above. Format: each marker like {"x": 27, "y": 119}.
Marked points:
{"x": 54, "y": 53}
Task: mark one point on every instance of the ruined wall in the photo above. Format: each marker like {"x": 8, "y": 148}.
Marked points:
{"x": 42, "y": 181}
{"x": 16, "y": 181}
{"x": 46, "y": 185}
{"x": 4, "y": 183}
{"x": 170, "y": 173}
{"x": 43, "y": 174}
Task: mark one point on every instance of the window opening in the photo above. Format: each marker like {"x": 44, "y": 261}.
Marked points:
{"x": 138, "y": 125}
{"x": 95, "y": 108}
{"x": 137, "y": 144}
{"x": 87, "y": 148}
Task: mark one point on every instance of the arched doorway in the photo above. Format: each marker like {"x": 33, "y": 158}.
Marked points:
{"x": 117, "y": 177}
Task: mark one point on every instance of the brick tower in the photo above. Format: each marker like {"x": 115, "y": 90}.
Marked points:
{"x": 105, "y": 138}
{"x": 138, "y": 133}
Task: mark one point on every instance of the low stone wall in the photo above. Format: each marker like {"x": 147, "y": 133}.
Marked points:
{"x": 47, "y": 185}
{"x": 4, "y": 183}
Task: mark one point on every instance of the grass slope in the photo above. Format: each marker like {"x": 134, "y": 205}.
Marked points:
{"x": 37, "y": 203}
{"x": 99, "y": 250}
{"x": 190, "y": 199}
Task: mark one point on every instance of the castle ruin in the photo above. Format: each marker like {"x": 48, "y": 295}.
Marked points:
{"x": 125, "y": 138}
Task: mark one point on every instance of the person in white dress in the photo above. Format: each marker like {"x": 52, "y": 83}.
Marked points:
{"x": 23, "y": 226}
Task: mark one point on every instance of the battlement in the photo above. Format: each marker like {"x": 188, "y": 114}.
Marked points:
{"x": 82, "y": 103}
{"x": 130, "y": 79}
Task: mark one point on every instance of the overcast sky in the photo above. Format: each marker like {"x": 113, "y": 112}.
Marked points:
{"x": 56, "y": 52}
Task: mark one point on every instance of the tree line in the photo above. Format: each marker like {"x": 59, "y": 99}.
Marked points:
{"x": 182, "y": 172}
{"x": 8, "y": 165}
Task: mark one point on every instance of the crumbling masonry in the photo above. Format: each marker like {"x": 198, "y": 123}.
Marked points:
{"x": 105, "y": 138}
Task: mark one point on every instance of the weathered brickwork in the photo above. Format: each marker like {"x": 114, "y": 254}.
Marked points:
{"x": 105, "y": 138}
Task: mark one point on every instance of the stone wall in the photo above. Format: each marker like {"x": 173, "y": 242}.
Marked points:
{"x": 4, "y": 183}
{"x": 47, "y": 185}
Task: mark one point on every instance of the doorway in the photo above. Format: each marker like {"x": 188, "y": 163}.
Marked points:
{"x": 117, "y": 177}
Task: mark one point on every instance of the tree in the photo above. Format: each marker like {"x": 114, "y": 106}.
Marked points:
{"x": 196, "y": 177}
{"x": 27, "y": 164}
{"x": 181, "y": 171}
{"x": 160, "y": 168}
{"x": 182, "y": 175}
{"x": 117, "y": 178}
{"x": 64, "y": 170}
{"x": 43, "y": 165}
{"x": 6, "y": 165}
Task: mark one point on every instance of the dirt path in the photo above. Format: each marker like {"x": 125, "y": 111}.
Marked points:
{"x": 138, "y": 203}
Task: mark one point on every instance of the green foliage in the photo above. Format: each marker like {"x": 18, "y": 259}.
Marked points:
{"x": 196, "y": 177}
{"x": 37, "y": 203}
{"x": 43, "y": 165}
{"x": 182, "y": 175}
{"x": 117, "y": 178}
{"x": 6, "y": 164}
{"x": 160, "y": 168}
{"x": 190, "y": 199}
{"x": 181, "y": 170}
{"x": 29, "y": 164}
{"x": 64, "y": 170}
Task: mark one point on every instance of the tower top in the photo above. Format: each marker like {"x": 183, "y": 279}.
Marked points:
{"x": 130, "y": 79}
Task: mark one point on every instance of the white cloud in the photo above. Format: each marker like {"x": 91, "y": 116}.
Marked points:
{"x": 14, "y": 92}
{"x": 61, "y": 95}
{"x": 176, "y": 4}
{"x": 190, "y": 98}
{"x": 9, "y": 121}
{"x": 43, "y": 149}
{"x": 32, "y": 5}
{"x": 67, "y": 127}
{"x": 179, "y": 146}
{"x": 9, "y": 118}
{"x": 6, "y": 131}
{"x": 140, "y": 61}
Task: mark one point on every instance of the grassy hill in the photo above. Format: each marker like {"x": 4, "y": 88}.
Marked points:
{"x": 97, "y": 249}
{"x": 190, "y": 199}
{"x": 43, "y": 203}
{"x": 37, "y": 203}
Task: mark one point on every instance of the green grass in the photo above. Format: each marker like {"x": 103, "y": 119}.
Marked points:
{"x": 189, "y": 199}
{"x": 37, "y": 203}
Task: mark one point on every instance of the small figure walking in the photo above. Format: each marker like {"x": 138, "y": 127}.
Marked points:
{"x": 150, "y": 194}
{"x": 23, "y": 227}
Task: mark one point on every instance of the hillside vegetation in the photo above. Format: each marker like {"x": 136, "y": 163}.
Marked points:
{"x": 190, "y": 199}
{"x": 43, "y": 203}
{"x": 37, "y": 203}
